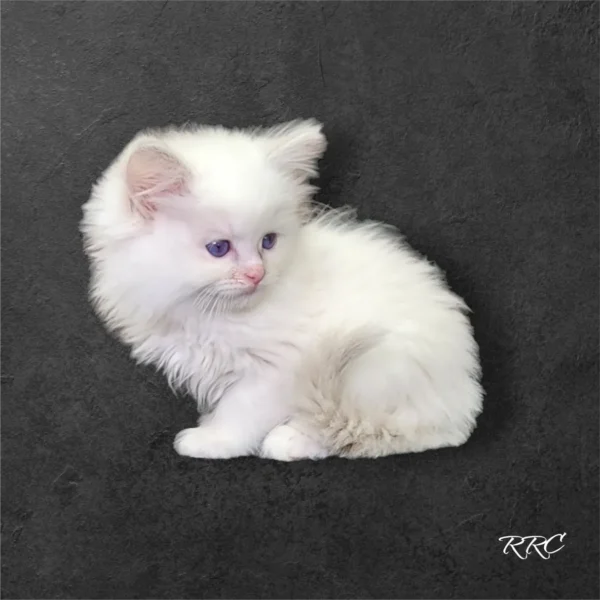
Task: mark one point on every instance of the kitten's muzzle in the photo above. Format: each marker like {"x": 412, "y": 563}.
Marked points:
{"x": 253, "y": 275}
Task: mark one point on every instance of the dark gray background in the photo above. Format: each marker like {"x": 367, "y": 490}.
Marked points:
{"x": 470, "y": 126}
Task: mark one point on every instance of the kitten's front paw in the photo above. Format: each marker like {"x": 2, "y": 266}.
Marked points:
{"x": 286, "y": 443}
{"x": 202, "y": 442}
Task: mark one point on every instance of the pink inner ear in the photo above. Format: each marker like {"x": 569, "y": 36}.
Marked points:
{"x": 151, "y": 174}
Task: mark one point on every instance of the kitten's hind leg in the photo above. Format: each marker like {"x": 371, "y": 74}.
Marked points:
{"x": 369, "y": 395}
{"x": 287, "y": 443}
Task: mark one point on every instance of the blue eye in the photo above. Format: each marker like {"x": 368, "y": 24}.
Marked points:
{"x": 218, "y": 248}
{"x": 269, "y": 241}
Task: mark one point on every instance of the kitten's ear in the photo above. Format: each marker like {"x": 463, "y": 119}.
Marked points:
{"x": 296, "y": 146}
{"x": 152, "y": 176}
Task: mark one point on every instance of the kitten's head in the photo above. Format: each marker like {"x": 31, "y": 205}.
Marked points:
{"x": 214, "y": 214}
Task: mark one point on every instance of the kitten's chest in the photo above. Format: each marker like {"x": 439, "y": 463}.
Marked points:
{"x": 208, "y": 361}
{"x": 202, "y": 363}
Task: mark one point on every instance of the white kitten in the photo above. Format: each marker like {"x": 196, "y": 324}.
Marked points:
{"x": 301, "y": 335}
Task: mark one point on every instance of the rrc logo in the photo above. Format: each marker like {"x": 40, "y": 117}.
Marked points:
{"x": 524, "y": 546}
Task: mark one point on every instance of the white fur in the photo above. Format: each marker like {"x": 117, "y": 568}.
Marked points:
{"x": 352, "y": 344}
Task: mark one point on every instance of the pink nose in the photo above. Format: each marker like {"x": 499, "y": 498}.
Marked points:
{"x": 254, "y": 274}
